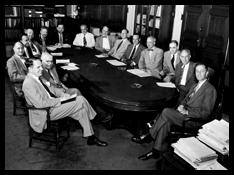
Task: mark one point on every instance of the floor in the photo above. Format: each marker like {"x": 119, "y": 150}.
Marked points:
{"x": 120, "y": 154}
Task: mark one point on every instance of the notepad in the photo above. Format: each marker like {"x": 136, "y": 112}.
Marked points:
{"x": 116, "y": 63}
{"x": 69, "y": 99}
{"x": 57, "y": 54}
{"x": 101, "y": 56}
{"x": 51, "y": 48}
{"x": 139, "y": 73}
{"x": 166, "y": 84}
{"x": 70, "y": 67}
{"x": 62, "y": 61}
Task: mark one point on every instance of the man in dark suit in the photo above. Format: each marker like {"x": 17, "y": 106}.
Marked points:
{"x": 43, "y": 38}
{"x": 60, "y": 37}
{"x": 198, "y": 103}
{"x": 132, "y": 55}
{"x": 34, "y": 45}
{"x": 184, "y": 74}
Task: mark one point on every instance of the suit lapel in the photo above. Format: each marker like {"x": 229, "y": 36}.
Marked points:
{"x": 19, "y": 62}
{"x": 40, "y": 86}
{"x": 137, "y": 51}
{"x": 190, "y": 72}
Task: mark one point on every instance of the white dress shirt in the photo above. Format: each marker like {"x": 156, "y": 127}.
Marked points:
{"x": 78, "y": 41}
{"x": 105, "y": 43}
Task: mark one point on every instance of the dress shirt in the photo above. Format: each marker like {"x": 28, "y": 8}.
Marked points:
{"x": 105, "y": 43}
{"x": 60, "y": 38}
{"x": 78, "y": 41}
{"x": 133, "y": 49}
{"x": 185, "y": 72}
{"x": 21, "y": 59}
{"x": 151, "y": 51}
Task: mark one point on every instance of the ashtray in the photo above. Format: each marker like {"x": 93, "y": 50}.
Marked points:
{"x": 136, "y": 85}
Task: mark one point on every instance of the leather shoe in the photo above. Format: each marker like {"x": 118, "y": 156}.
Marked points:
{"x": 145, "y": 138}
{"x": 152, "y": 154}
{"x": 96, "y": 141}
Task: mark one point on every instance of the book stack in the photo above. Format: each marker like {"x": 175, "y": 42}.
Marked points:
{"x": 216, "y": 135}
{"x": 197, "y": 154}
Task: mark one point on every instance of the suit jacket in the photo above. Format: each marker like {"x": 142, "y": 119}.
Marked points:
{"x": 17, "y": 72}
{"x": 137, "y": 54}
{"x": 153, "y": 64}
{"x": 39, "y": 41}
{"x": 55, "y": 38}
{"x": 36, "y": 95}
{"x": 167, "y": 66}
{"x": 119, "y": 53}
{"x": 99, "y": 42}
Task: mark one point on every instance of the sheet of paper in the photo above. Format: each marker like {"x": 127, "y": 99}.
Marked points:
{"x": 57, "y": 54}
{"x": 62, "y": 61}
{"x": 70, "y": 67}
{"x": 101, "y": 56}
{"x": 51, "y": 48}
{"x": 116, "y": 63}
{"x": 71, "y": 64}
{"x": 166, "y": 84}
{"x": 66, "y": 45}
{"x": 68, "y": 99}
{"x": 139, "y": 72}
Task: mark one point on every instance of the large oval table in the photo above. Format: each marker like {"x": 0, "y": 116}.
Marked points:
{"x": 113, "y": 87}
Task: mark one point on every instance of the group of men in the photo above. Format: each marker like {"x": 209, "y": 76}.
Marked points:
{"x": 35, "y": 77}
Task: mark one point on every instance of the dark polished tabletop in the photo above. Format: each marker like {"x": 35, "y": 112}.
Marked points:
{"x": 113, "y": 86}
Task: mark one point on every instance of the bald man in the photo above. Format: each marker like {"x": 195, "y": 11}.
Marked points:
{"x": 34, "y": 45}
{"x": 17, "y": 70}
{"x": 50, "y": 74}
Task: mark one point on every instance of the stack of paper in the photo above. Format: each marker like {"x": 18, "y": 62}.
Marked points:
{"x": 166, "y": 84}
{"x": 196, "y": 153}
{"x": 101, "y": 56}
{"x": 57, "y": 54}
{"x": 62, "y": 61}
{"x": 139, "y": 72}
{"x": 116, "y": 63}
{"x": 70, "y": 67}
{"x": 216, "y": 135}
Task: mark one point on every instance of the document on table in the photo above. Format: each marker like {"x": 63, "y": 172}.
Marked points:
{"x": 166, "y": 84}
{"x": 70, "y": 67}
{"x": 116, "y": 63}
{"x": 66, "y": 45}
{"x": 139, "y": 73}
{"x": 57, "y": 54}
{"x": 62, "y": 61}
{"x": 51, "y": 48}
{"x": 68, "y": 99}
{"x": 101, "y": 56}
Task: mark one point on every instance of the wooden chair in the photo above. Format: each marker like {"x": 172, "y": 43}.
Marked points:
{"x": 53, "y": 127}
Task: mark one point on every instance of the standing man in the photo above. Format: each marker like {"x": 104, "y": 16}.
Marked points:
{"x": 151, "y": 58}
{"x": 198, "y": 103}
{"x": 184, "y": 74}
{"x": 17, "y": 70}
{"x": 34, "y": 45}
{"x": 60, "y": 37}
{"x": 39, "y": 94}
{"x": 120, "y": 46}
{"x": 105, "y": 42}
{"x": 50, "y": 74}
{"x": 133, "y": 52}
{"x": 171, "y": 59}
{"x": 84, "y": 39}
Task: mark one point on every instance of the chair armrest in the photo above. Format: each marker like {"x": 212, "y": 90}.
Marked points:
{"x": 46, "y": 108}
{"x": 187, "y": 119}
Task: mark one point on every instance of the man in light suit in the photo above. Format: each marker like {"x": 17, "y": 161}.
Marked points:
{"x": 120, "y": 46}
{"x": 170, "y": 60}
{"x": 50, "y": 74}
{"x": 184, "y": 74}
{"x": 133, "y": 52}
{"x": 198, "y": 103}
{"x": 151, "y": 58}
{"x": 40, "y": 94}
{"x": 17, "y": 70}
{"x": 105, "y": 42}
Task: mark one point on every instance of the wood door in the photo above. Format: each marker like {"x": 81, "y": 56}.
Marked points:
{"x": 205, "y": 32}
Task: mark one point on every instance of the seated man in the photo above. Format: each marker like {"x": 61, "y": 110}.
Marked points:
{"x": 34, "y": 45}
{"x": 50, "y": 74}
{"x": 198, "y": 103}
{"x": 133, "y": 52}
{"x": 17, "y": 70}
{"x": 84, "y": 39}
{"x": 120, "y": 46}
{"x": 60, "y": 37}
{"x": 105, "y": 42}
{"x": 184, "y": 74}
{"x": 170, "y": 60}
{"x": 40, "y": 95}
{"x": 151, "y": 58}
{"x": 43, "y": 38}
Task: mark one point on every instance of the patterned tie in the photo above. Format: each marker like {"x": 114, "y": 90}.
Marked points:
{"x": 61, "y": 38}
{"x": 182, "y": 72}
{"x": 133, "y": 52}
{"x": 119, "y": 45}
{"x": 172, "y": 61}
{"x": 51, "y": 94}
{"x": 84, "y": 40}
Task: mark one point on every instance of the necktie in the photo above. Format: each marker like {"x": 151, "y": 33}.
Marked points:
{"x": 51, "y": 94}
{"x": 172, "y": 61}
{"x": 182, "y": 72}
{"x": 60, "y": 38}
{"x": 194, "y": 91}
{"x": 119, "y": 45}
{"x": 84, "y": 40}
{"x": 50, "y": 74}
{"x": 133, "y": 52}
{"x": 30, "y": 54}
{"x": 32, "y": 47}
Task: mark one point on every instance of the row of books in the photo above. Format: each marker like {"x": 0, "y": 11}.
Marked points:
{"x": 11, "y": 34}
{"x": 38, "y": 22}
{"x": 12, "y": 22}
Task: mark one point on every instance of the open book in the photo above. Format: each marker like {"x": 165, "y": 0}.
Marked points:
{"x": 68, "y": 99}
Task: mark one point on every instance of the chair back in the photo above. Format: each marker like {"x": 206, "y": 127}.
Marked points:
{"x": 215, "y": 114}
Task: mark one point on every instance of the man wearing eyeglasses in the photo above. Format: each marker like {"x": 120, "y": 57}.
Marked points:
{"x": 84, "y": 39}
{"x": 105, "y": 42}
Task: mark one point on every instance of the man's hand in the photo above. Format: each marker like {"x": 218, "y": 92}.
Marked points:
{"x": 161, "y": 73}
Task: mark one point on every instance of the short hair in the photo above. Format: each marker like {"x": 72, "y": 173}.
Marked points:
{"x": 139, "y": 35}
{"x": 154, "y": 39}
{"x": 61, "y": 24}
{"x": 29, "y": 62}
{"x": 17, "y": 42}
{"x": 174, "y": 41}
{"x": 125, "y": 29}
{"x": 204, "y": 64}
{"x": 83, "y": 25}
{"x": 21, "y": 35}
{"x": 186, "y": 50}
{"x": 44, "y": 27}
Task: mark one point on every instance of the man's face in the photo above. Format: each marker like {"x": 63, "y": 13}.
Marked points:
{"x": 18, "y": 49}
{"x": 173, "y": 48}
{"x": 30, "y": 34}
{"x": 135, "y": 39}
{"x": 24, "y": 40}
{"x": 44, "y": 33}
{"x": 47, "y": 61}
{"x": 105, "y": 31}
{"x": 36, "y": 69}
{"x": 60, "y": 28}
{"x": 124, "y": 34}
{"x": 150, "y": 43}
{"x": 185, "y": 57}
{"x": 201, "y": 72}
{"x": 83, "y": 29}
